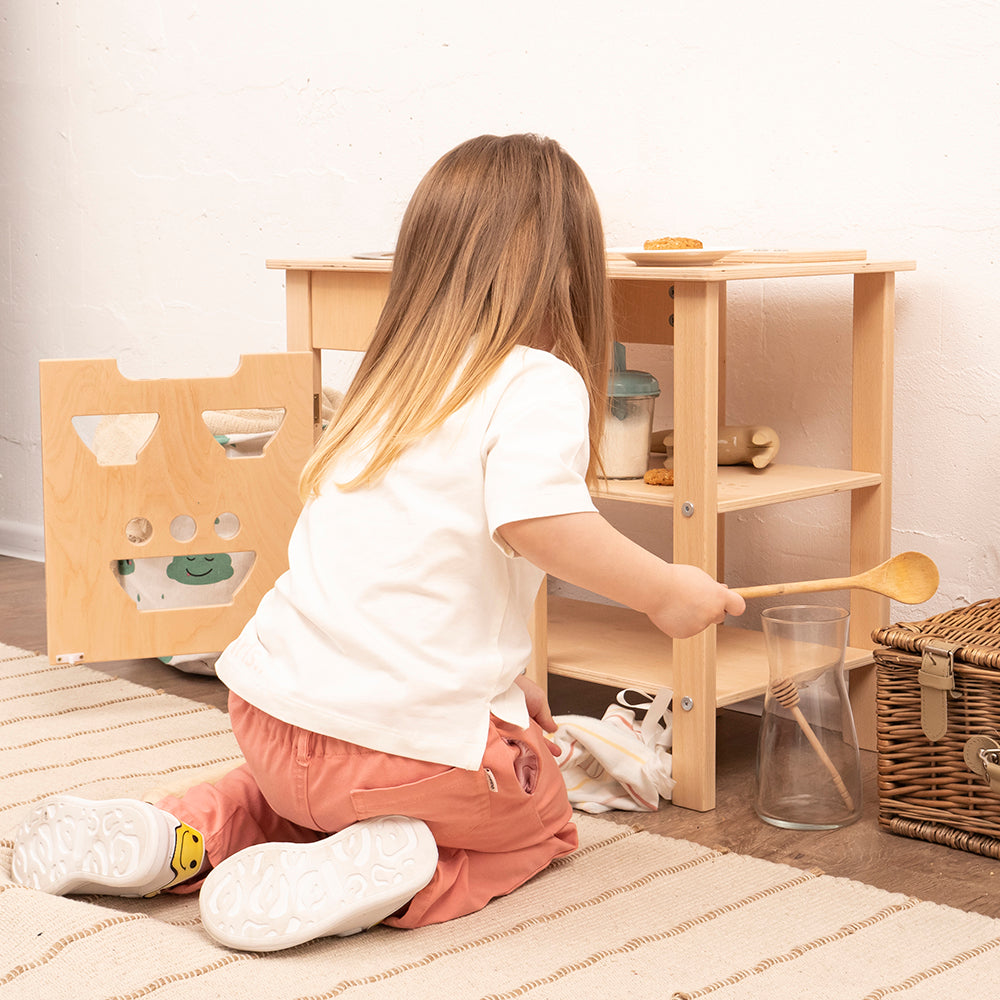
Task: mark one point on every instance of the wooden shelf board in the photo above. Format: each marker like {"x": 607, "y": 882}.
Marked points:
{"x": 626, "y": 270}
{"x": 330, "y": 264}
{"x": 741, "y": 487}
{"x": 610, "y": 645}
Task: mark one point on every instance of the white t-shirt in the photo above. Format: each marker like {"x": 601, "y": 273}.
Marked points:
{"x": 402, "y": 621}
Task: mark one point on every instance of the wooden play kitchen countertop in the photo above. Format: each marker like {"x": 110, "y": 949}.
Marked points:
{"x": 334, "y": 304}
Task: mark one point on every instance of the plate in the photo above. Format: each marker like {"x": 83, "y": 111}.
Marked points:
{"x": 667, "y": 258}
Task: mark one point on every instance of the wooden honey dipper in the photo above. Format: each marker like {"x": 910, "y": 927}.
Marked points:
{"x": 787, "y": 693}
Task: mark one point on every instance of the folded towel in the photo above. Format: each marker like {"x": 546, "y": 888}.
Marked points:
{"x": 616, "y": 762}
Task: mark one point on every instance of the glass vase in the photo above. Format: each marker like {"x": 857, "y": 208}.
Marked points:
{"x": 808, "y": 773}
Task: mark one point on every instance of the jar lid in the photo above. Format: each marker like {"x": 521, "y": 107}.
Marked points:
{"x": 625, "y": 382}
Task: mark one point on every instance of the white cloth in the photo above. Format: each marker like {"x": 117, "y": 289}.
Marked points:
{"x": 402, "y": 621}
{"x": 616, "y": 762}
{"x": 166, "y": 582}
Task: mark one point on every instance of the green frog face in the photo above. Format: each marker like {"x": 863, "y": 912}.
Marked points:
{"x": 196, "y": 571}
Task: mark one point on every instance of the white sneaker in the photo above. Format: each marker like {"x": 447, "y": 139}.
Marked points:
{"x": 279, "y": 895}
{"x": 115, "y": 847}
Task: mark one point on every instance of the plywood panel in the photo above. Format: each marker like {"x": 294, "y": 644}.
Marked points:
{"x": 181, "y": 471}
{"x": 346, "y": 306}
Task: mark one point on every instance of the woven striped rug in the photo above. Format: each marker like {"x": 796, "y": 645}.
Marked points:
{"x": 630, "y": 914}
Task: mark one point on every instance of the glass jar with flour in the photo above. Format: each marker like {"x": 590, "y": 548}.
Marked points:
{"x": 629, "y": 420}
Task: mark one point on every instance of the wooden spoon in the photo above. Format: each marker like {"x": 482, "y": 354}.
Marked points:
{"x": 910, "y": 577}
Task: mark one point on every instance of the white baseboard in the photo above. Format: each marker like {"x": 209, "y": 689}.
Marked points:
{"x": 22, "y": 541}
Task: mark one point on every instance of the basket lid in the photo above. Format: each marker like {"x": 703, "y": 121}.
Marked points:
{"x": 976, "y": 628}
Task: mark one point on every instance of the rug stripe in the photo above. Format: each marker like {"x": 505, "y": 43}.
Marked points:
{"x": 79, "y": 935}
{"x": 23, "y": 654}
{"x": 127, "y": 776}
{"x": 798, "y": 951}
{"x": 143, "y": 695}
{"x": 637, "y": 942}
{"x": 936, "y": 970}
{"x": 193, "y": 710}
{"x": 178, "y": 977}
{"x": 76, "y": 686}
{"x": 175, "y": 741}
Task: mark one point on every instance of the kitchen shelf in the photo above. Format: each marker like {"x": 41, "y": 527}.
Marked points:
{"x": 608, "y": 644}
{"x": 334, "y": 304}
{"x": 741, "y": 487}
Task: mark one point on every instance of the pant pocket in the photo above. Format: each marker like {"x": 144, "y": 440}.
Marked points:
{"x": 531, "y": 800}
{"x": 525, "y": 764}
{"x": 453, "y": 804}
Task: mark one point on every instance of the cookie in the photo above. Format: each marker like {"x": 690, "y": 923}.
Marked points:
{"x": 673, "y": 243}
{"x": 659, "y": 477}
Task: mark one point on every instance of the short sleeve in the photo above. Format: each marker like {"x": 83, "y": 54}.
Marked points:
{"x": 537, "y": 447}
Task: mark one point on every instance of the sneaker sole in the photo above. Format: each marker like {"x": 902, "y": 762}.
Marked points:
{"x": 70, "y": 845}
{"x": 280, "y": 895}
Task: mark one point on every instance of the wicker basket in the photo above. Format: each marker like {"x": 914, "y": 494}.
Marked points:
{"x": 937, "y": 787}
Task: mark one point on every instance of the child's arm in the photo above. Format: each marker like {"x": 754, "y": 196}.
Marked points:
{"x": 585, "y": 550}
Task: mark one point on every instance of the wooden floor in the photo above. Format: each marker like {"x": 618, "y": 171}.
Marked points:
{"x": 862, "y": 851}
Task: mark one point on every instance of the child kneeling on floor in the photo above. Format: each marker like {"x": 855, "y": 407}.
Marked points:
{"x": 396, "y": 766}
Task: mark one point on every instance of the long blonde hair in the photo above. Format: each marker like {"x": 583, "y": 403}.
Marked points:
{"x": 501, "y": 244}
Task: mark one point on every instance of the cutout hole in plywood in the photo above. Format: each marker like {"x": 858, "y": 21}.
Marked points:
{"x": 138, "y": 531}
{"x": 115, "y": 438}
{"x": 227, "y": 525}
{"x": 183, "y": 528}
{"x": 164, "y": 583}
{"x": 244, "y": 433}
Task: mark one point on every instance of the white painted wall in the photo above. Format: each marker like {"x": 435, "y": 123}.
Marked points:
{"x": 153, "y": 154}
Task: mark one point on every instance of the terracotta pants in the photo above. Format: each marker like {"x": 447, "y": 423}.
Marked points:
{"x": 495, "y": 828}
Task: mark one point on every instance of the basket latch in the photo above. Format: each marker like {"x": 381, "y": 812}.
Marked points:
{"x": 982, "y": 755}
{"x": 937, "y": 682}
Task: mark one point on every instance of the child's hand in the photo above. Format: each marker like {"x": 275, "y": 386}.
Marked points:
{"x": 538, "y": 708}
{"x": 694, "y": 602}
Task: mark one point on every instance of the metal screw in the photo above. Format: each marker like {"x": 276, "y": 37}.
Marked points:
{"x": 687, "y": 508}
{"x": 687, "y": 704}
